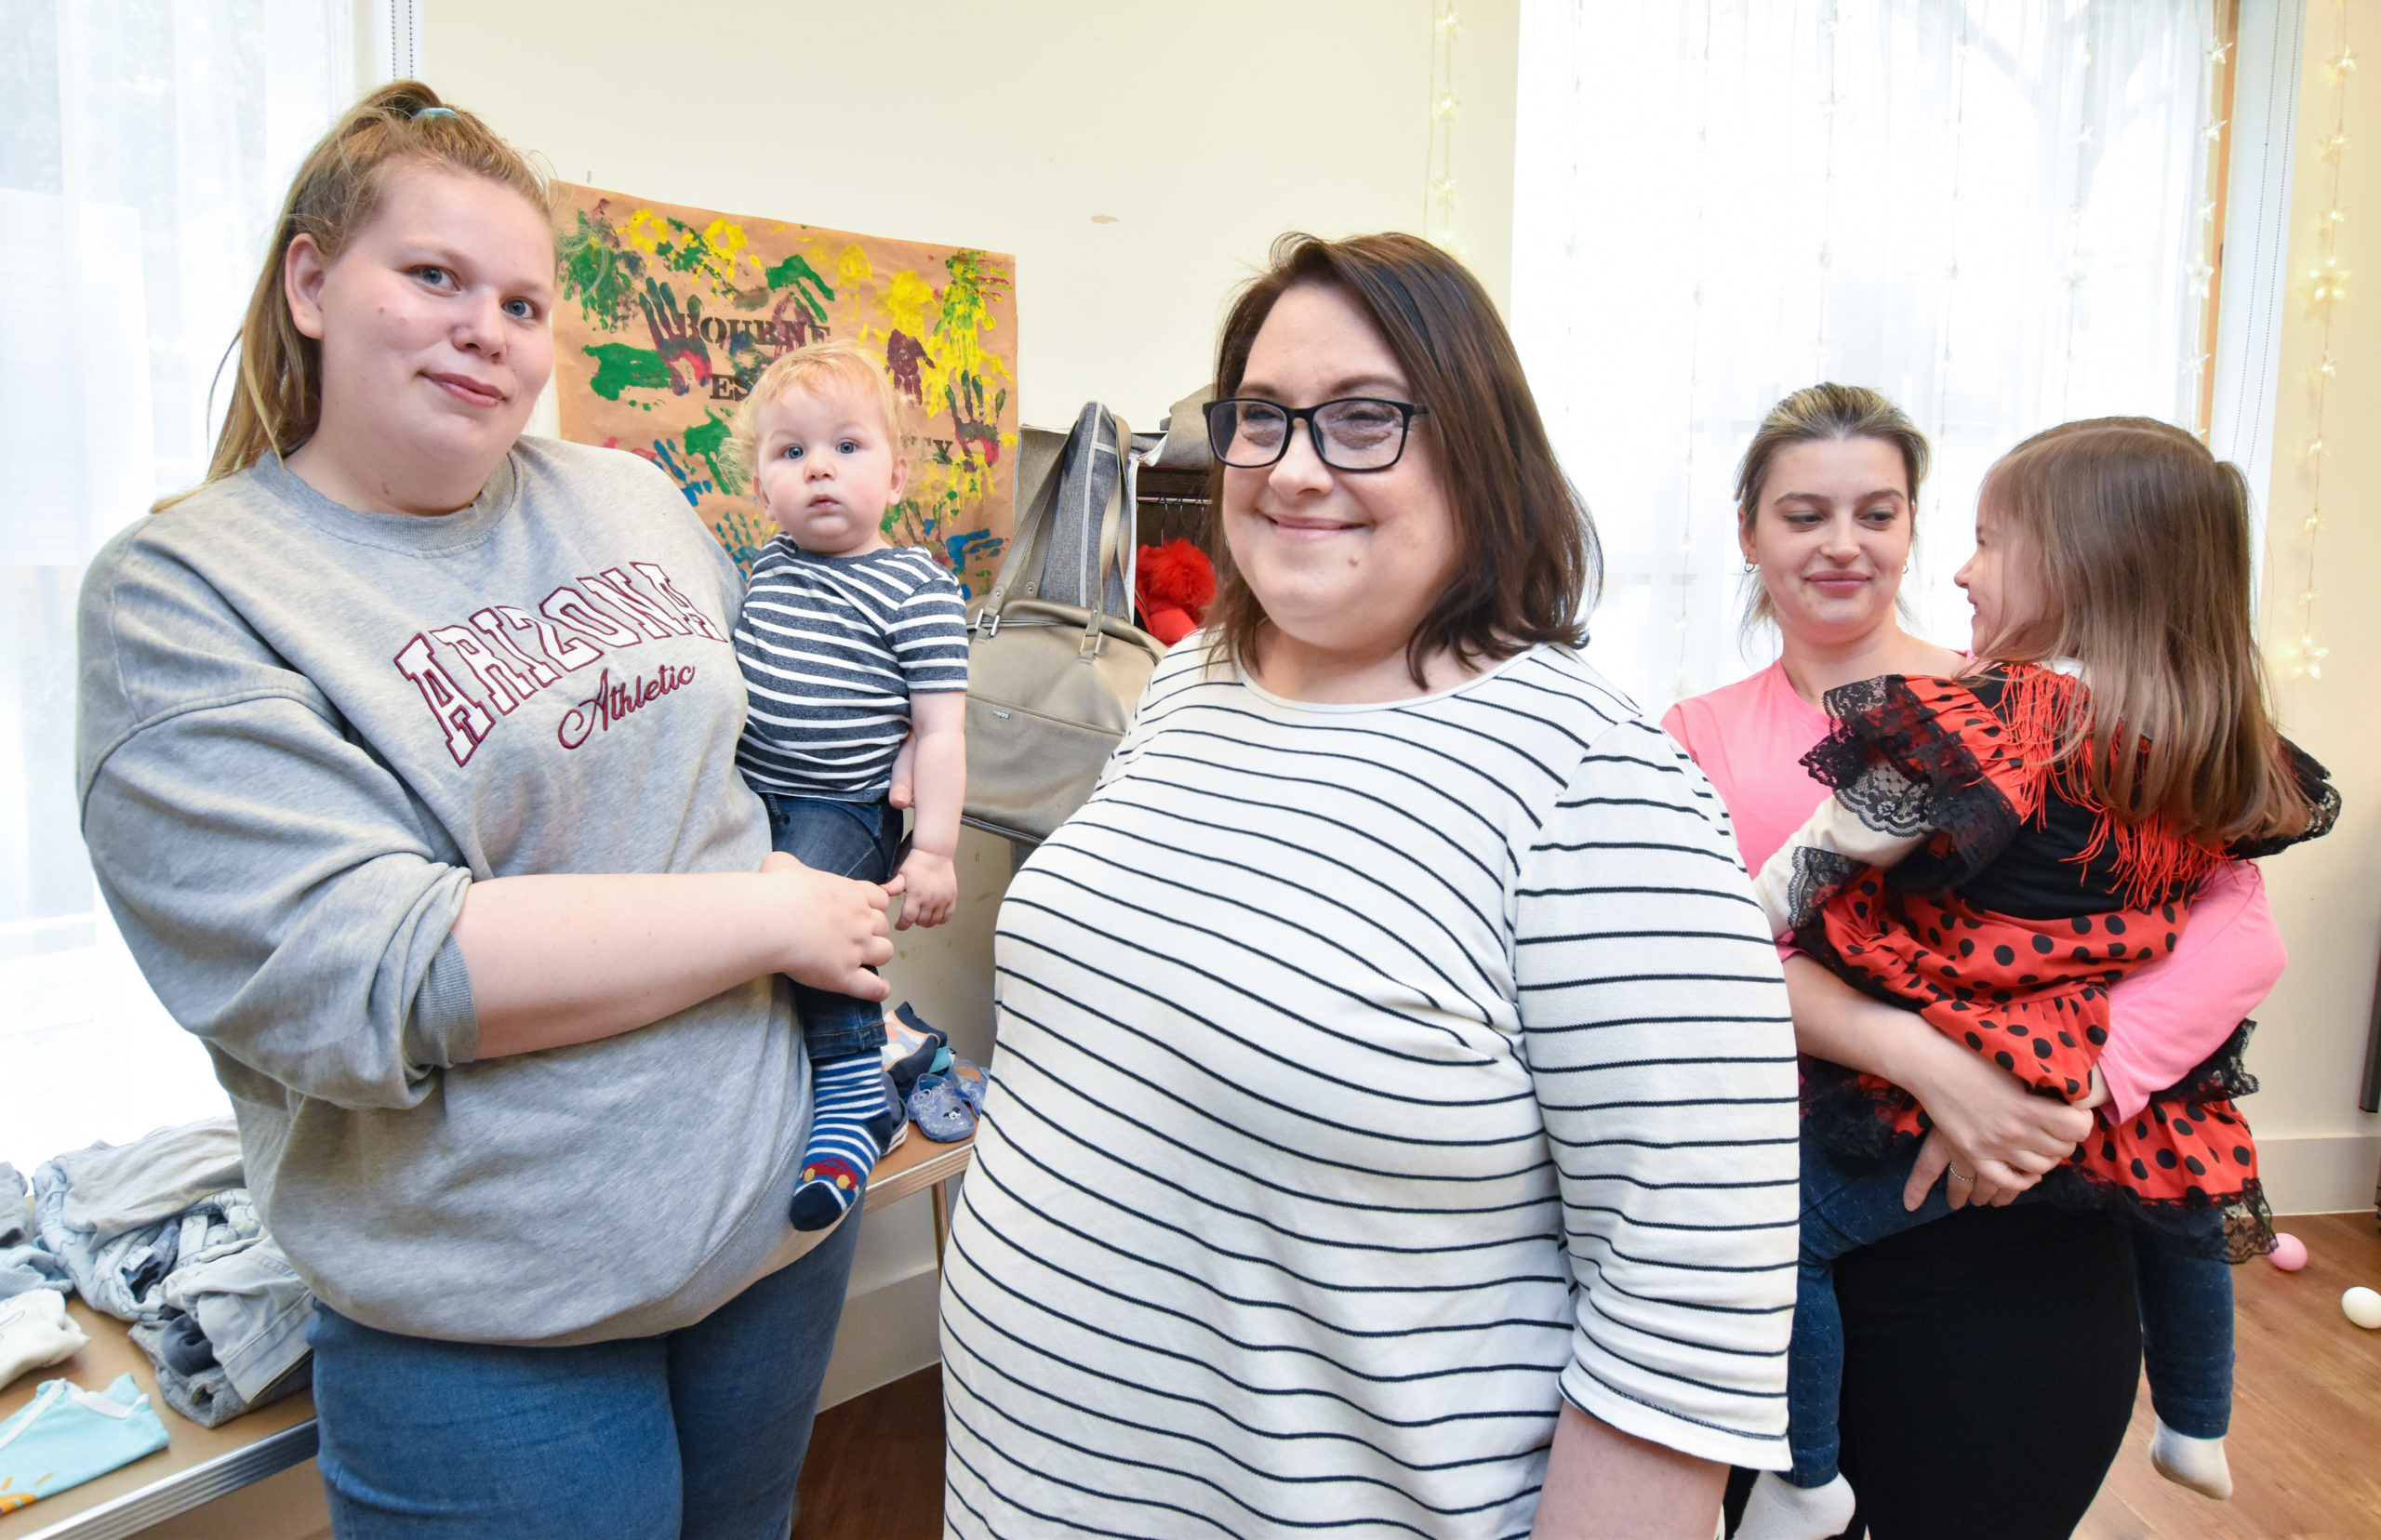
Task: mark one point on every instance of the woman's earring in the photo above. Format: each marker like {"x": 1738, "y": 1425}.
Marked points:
{"x": 1752, "y": 567}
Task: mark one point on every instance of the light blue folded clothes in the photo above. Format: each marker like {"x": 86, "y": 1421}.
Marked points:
{"x": 111, "y": 1188}
{"x": 252, "y": 1310}
{"x": 68, "y": 1435}
{"x": 126, "y": 1274}
{"x": 25, "y": 1263}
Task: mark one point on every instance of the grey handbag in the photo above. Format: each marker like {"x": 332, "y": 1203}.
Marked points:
{"x": 1054, "y": 665}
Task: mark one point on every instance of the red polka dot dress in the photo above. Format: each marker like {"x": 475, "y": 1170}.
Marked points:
{"x": 1963, "y": 870}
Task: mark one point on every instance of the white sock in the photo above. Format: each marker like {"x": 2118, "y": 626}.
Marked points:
{"x": 2197, "y": 1463}
{"x": 1780, "y": 1511}
{"x": 35, "y": 1331}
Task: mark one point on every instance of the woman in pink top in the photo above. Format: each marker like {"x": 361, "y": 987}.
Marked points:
{"x": 1949, "y": 1329}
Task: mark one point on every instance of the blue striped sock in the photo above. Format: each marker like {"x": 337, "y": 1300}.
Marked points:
{"x": 850, "y": 1120}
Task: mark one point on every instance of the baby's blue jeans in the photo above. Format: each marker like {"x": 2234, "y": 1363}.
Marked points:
{"x": 847, "y": 839}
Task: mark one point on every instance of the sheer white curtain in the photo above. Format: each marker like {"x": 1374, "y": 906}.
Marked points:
{"x": 1991, "y": 211}
{"x": 144, "y": 146}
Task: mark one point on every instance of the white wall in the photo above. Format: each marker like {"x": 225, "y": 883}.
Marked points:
{"x": 1202, "y": 131}
{"x": 1137, "y": 158}
{"x": 2317, "y": 1151}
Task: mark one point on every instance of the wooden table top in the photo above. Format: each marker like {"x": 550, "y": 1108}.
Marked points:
{"x": 197, "y": 1463}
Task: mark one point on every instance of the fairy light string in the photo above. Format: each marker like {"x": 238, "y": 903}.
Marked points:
{"x": 2203, "y": 268}
{"x": 2326, "y": 282}
{"x": 1439, "y": 187}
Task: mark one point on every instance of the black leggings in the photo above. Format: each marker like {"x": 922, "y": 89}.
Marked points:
{"x": 1990, "y": 1366}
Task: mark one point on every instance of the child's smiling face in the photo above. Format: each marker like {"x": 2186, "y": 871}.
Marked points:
{"x": 827, "y": 470}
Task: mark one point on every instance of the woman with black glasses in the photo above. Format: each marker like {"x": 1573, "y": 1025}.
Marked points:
{"x": 1393, "y": 1126}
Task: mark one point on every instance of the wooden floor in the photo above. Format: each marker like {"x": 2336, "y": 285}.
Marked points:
{"x": 2306, "y": 1443}
{"x": 875, "y": 1466}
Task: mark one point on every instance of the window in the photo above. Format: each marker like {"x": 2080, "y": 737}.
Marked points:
{"x": 144, "y": 148}
{"x": 1996, "y": 212}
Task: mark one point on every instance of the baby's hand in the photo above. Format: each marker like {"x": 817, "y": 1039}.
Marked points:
{"x": 929, "y": 889}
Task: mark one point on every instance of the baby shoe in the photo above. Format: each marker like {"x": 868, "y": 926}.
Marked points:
{"x": 910, "y": 1048}
{"x": 967, "y": 1079}
{"x": 941, "y": 1112}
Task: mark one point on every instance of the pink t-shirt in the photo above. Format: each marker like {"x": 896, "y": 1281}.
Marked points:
{"x": 1749, "y": 738}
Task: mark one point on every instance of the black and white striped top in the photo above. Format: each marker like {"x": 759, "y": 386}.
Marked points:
{"x": 1368, "y": 1079}
{"x": 833, "y": 648}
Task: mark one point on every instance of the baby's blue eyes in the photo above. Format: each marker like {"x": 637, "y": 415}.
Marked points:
{"x": 843, "y": 446}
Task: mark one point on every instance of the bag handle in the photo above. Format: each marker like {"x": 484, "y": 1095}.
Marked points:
{"x": 1024, "y": 540}
{"x": 1028, "y": 540}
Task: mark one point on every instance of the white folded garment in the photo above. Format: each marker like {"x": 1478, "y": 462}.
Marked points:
{"x": 35, "y": 1331}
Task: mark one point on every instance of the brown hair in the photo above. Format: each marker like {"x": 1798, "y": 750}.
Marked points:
{"x": 1814, "y": 414}
{"x": 1526, "y": 565}
{"x": 277, "y": 399}
{"x": 2141, "y": 539}
{"x": 837, "y": 366}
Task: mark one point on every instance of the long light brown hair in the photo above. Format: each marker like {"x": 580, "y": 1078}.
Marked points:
{"x": 277, "y": 398}
{"x": 2140, "y": 537}
{"x": 1816, "y": 414}
{"x": 1526, "y": 565}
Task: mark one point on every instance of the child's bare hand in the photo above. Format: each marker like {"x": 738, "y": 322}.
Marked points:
{"x": 929, "y": 887}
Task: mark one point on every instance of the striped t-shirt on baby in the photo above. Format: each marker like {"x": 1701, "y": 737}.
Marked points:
{"x": 833, "y": 648}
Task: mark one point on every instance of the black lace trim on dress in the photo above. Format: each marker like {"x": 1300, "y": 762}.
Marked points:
{"x": 2222, "y": 1076}
{"x": 2245, "y": 1231}
{"x": 1902, "y": 770}
{"x": 1818, "y": 874}
{"x": 2322, "y": 804}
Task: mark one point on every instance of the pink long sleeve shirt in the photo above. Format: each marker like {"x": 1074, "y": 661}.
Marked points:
{"x": 1749, "y": 738}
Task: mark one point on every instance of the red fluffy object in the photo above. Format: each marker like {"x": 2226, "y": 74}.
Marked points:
{"x": 1174, "y": 583}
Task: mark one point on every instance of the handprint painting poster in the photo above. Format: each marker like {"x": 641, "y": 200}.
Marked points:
{"x": 668, "y": 314}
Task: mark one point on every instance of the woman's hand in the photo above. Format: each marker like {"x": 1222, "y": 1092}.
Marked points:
{"x": 834, "y": 928}
{"x": 2004, "y": 1135}
{"x": 2007, "y": 1137}
{"x": 1966, "y": 1179}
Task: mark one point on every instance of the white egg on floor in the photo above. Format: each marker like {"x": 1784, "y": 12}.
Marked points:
{"x": 2363, "y": 1307}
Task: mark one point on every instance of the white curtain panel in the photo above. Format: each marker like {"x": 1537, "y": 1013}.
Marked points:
{"x": 144, "y": 147}
{"x": 1994, "y": 212}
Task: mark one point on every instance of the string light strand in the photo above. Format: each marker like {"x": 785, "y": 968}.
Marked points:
{"x": 2326, "y": 284}
{"x": 1438, "y": 185}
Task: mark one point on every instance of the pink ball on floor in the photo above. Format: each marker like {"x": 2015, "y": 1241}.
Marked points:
{"x": 2288, "y": 1253}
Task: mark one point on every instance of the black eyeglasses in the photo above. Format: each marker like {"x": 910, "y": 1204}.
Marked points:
{"x": 1354, "y": 433}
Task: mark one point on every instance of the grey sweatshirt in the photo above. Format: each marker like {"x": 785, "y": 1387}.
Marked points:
{"x": 305, "y": 731}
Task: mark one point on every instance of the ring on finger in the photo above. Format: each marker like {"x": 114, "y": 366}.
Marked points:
{"x": 1963, "y": 1176}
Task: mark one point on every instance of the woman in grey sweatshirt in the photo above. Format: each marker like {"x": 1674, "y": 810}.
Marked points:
{"x": 407, "y": 761}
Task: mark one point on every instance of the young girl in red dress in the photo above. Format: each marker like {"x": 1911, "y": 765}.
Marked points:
{"x": 2004, "y": 846}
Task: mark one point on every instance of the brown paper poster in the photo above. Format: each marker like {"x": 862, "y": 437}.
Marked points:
{"x": 668, "y": 314}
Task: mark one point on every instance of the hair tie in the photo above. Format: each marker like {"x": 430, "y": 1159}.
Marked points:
{"x": 434, "y": 112}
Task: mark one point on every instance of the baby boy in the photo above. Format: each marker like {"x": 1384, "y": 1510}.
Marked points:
{"x": 849, "y": 644}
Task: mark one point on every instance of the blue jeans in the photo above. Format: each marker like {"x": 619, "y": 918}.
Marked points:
{"x": 857, "y": 840}
{"x": 697, "y": 1433}
{"x": 2186, "y": 1307}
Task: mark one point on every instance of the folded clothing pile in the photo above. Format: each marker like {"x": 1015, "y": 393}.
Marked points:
{"x": 160, "y": 1233}
{"x": 25, "y": 1263}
